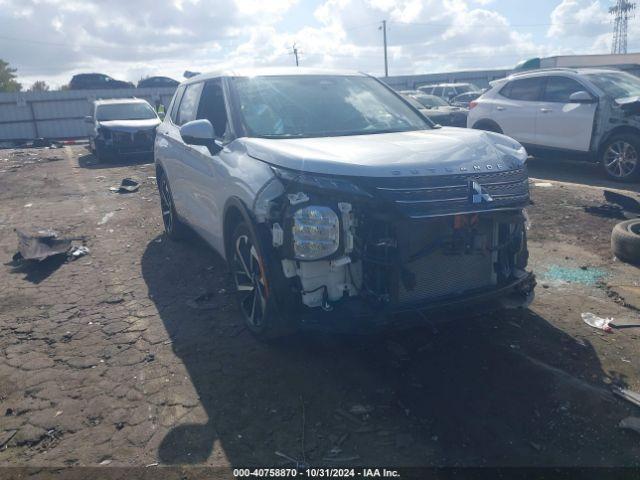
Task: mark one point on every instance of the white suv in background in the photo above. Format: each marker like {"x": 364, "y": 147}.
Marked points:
{"x": 589, "y": 113}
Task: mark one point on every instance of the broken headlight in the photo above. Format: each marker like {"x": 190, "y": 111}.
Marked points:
{"x": 316, "y": 233}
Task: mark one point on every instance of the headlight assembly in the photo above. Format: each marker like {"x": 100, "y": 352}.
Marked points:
{"x": 316, "y": 233}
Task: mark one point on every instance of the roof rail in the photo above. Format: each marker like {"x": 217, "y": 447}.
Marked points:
{"x": 549, "y": 69}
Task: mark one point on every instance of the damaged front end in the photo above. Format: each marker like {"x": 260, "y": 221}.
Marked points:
{"x": 369, "y": 246}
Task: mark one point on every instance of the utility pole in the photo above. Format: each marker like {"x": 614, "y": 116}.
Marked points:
{"x": 295, "y": 53}
{"x": 621, "y": 11}
{"x": 384, "y": 40}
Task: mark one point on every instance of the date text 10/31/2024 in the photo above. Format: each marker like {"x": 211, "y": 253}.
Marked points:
{"x": 316, "y": 473}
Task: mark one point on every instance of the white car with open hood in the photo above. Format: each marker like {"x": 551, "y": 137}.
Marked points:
{"x": 337, "y": 204}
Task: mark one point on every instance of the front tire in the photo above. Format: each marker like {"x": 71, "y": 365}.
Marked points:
{"x": 254, "y": 286}
{"x": 173, "y": 226}
{"x": 620, "y": 157}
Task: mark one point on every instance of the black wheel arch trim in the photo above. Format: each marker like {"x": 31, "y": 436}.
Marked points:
{"x": 487, "y": 121}
{"x": 618, "y": 130}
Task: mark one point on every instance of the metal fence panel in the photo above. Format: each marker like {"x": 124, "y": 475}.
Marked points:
{"x": 60, "y": 114}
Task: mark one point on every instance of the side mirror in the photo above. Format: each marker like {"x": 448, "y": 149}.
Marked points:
{"x": 581, "y": 97}
{"x": 88, "y": 119}
{"x": 200, "y": 132}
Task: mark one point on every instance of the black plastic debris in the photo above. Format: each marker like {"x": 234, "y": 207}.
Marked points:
{"x": 629, "y": 204}
{"x": 41, "y": 243}
{"x": 206, "y": 301}
{"x": 128, "y": 185}
{"x": 618, "y": 206}
{"x": 607, "y": 211}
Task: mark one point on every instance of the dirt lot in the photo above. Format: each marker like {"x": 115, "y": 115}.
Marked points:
{"x": 104, "y": 360}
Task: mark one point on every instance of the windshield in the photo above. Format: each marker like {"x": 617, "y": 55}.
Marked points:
{"x": 616, "y": 85}
{"x": 430, "y": 101}
{"x": 321, "y": 106}
{"x": 125, "y": 111}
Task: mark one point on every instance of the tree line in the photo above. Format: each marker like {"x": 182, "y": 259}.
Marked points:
{"x": 9, "y": 82}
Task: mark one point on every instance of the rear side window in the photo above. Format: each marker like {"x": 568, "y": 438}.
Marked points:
{"x": 437, "y": 91}
{"x": 173, "y": 114}
{"x": 189, "y": 103}
{"x": 559, "y": 89}
{"x": 527, "y": 89}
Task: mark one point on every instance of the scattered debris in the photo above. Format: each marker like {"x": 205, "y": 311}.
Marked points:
{"x": 628, "y": 204}
{"x": 630, "y": 423}
{"x": 206, "y": 301}
{"x": 361, "y": 409}
{"x": 543, "y": 184}
{"x": 628, "y": 395}
{"x": 618, "y": 206}
{"x": 106, "y": 217}
{"x": 5, "y": 437}
{"x": 154, "y": 464}
{"x": 299, "y": 465}
{"x": 606, "y": 211}
{"x": 535, "y": 446}
{"x": 106, "y": 461}
{"x": 41, "y": 244}
{"x": 28, "y": 205}
{"x": 348, "y": 416}
{"x": 128, "y": 185}
{"x": 77, "y": 252}
{"x": 597, "y": 322}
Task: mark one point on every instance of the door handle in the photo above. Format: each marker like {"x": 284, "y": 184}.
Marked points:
{"x": 499, "y": 108}
{"x": 546, "y": 110}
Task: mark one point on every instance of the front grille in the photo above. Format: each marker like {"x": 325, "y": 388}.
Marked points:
{"x": 141, "y": 140}
{"x": 420, "y": 197}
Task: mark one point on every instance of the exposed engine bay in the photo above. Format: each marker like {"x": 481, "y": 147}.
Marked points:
{"x": 375, "y": 249}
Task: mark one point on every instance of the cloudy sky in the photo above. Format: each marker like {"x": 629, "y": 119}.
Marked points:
{"x": 128, "y": 39}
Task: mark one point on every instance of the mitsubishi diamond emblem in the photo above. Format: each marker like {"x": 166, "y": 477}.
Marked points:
{"x": 477, "y": 194}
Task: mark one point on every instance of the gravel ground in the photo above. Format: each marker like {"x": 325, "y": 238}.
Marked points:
{"x": 105, "y": 360}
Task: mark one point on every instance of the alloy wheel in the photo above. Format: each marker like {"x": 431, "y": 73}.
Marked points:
{"x": 249, "y": 279}
{"x": 166, "y": 204}
{"x": 620, "y": 159}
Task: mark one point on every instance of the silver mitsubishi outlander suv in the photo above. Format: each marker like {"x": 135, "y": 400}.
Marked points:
{"x": 338, "y": 205}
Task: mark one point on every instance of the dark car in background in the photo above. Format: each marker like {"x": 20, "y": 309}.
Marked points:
{"x": 464, "y": 99}
{"x": 436, "y": 109}
{"x": 157, "y": 82}
{"x": 122, "y": 126}
{"x": 96, "y": 81}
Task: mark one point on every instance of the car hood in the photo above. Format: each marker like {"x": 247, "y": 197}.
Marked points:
{"x": 130, "y": 125}
{"x": 426, "y": 152}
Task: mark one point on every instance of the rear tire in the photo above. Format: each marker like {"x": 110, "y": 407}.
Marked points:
{"x": 255, "y": 286}
{"x": 173, "y": 226}
{"x": 620, "y": 157}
